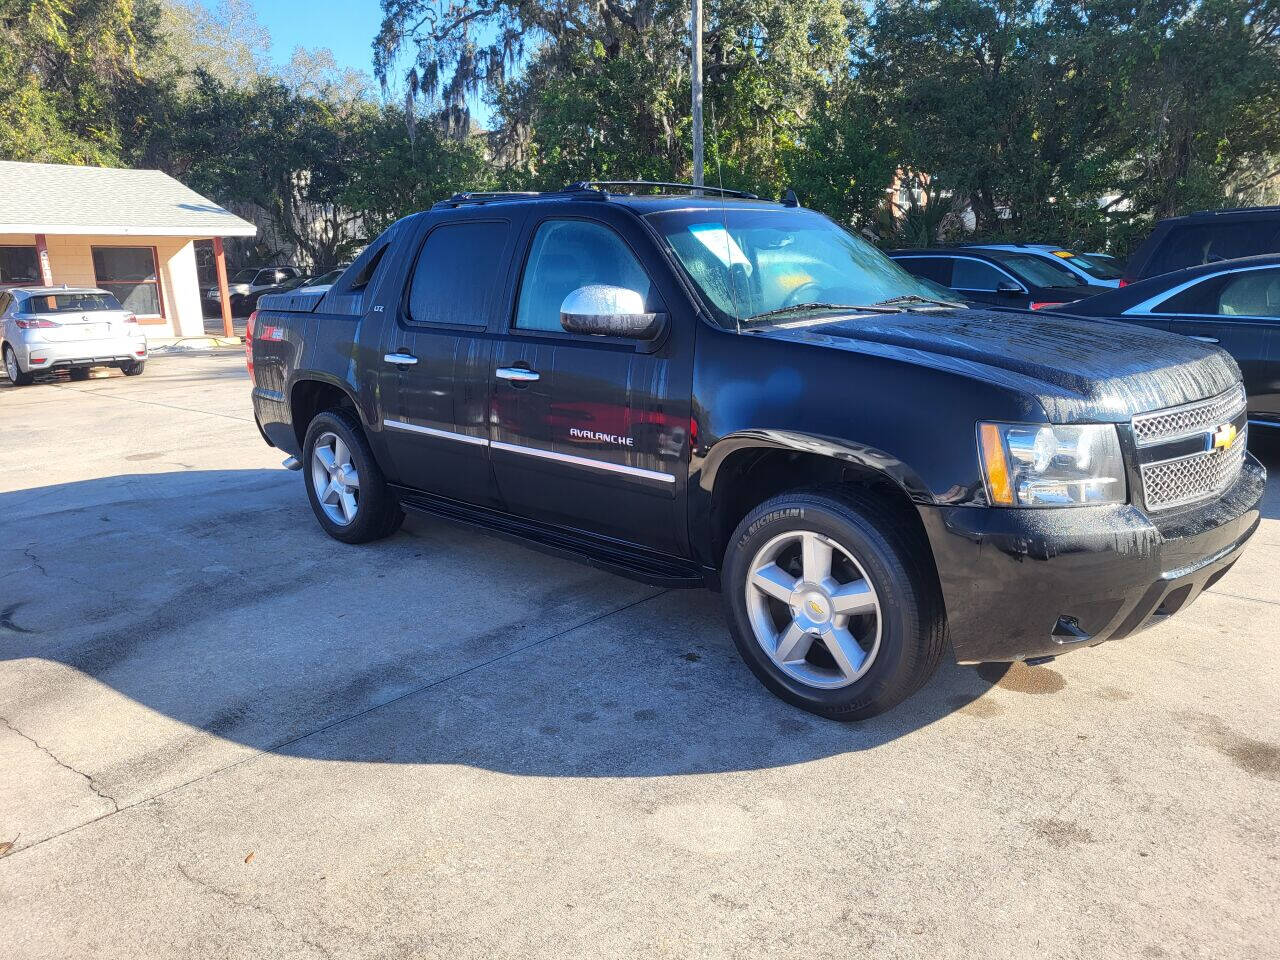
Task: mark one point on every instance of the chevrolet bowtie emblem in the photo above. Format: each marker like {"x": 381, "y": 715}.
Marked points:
{"x": 1224, "y": 436}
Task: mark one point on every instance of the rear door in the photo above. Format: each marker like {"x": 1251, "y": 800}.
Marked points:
{"x": 1239, "y": 311}
{"x": 593, "y": 432}
{"x": 437, "y": 360}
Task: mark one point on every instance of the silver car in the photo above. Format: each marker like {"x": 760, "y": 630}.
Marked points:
{"x": 71, "y": 328}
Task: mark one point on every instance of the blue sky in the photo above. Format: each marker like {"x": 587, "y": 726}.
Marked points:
{"x": 347, "y": 27}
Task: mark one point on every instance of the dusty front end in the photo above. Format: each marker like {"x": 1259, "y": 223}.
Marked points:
{"x": 1030, "y": 583}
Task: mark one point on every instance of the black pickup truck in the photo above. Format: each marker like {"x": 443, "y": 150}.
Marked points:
{"x": 699, "y": 388}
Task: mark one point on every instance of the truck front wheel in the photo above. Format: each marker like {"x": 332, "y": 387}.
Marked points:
{"x": 832, "y": 603}
{"x": 346, "y": 488}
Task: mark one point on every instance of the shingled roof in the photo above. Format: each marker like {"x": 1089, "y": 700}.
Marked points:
{"x": 60, "y": 199}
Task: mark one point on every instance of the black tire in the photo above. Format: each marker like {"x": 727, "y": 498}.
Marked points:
{"x": 133, "y": 368}
{"x": 898, "y": 565}
{"x": 79, "y": 373}
{"x": 378, "y": 513}
{"x": 11, "y": 362}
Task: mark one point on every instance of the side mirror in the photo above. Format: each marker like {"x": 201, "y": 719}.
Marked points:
{"x": 602, "y": 310}
{"x": 1008, "y": 286}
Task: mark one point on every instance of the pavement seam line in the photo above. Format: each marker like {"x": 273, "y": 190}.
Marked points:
{"x": 93, "y": 784}
{"x": 258, "y": 754}
{"x": 150, "y": 403}
{"x": 1241, "y": 596}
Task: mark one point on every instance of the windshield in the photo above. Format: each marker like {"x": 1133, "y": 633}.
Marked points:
{"x": 748, "y": 262}
{"x": 70, "y": 303}
{"x": 243, "y": 276}
{"x": 1097, "y": 265}
{"x": 1036, "y": 270}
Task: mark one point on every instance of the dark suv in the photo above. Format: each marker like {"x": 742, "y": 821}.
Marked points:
{"x": 712, "y": 390}
{"x": 1209, "y": 236}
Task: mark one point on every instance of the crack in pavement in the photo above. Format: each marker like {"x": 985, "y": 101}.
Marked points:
{"x": 93, "y": 784}
{"x": 35, "y": 561}
{"x": 248, "y": 905}
{"x": 259, "y": 754}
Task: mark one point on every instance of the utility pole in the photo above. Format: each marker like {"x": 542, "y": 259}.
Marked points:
{"x": 696, "y": 27}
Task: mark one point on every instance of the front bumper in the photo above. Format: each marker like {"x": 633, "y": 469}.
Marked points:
{"x": 34, "y": 357}
{"x": 1021, "y": 584}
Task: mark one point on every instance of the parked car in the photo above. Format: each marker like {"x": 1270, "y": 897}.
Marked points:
{"x": 244, "y": 304}
{"x": 1234, "y": 304}
{"x": 1210, "y": 236}
{"x": 324, "y": 281}
{"x": 719, "y": 391}
{"x": 251, "y": 280}
{"x": 1001, "y": 278}
{"x": 67, "y": 328}
{"x": 1095, "y": 269}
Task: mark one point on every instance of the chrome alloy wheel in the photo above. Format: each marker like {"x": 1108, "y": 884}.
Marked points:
{"x": 334, "y": 476}
{"x": 11, "y": 364}
{"x": 813, "y": 610}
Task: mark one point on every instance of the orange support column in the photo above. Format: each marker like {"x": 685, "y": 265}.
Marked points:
{"x": 224, "y": 295}
{"x": 42, "y": 255}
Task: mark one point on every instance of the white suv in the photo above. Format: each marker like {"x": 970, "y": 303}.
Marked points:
{"x": 72, "y": 328}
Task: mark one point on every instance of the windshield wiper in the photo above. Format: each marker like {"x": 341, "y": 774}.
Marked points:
{"x": 817, "y": 305}
{"x": 915, "y": 298}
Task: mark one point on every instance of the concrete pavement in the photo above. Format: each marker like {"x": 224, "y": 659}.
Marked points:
{"x": 224, "y": 734}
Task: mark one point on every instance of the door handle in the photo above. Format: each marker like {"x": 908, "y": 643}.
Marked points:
{"x": 401, "y": 359}
{"x": 518, "y": 374}
{"x": 1205, "y": 339}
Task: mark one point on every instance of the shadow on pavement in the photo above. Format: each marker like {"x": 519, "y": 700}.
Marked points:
{"x": 212, "y": 598}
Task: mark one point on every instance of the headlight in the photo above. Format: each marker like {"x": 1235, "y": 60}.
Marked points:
{"x": 1026, "y": 465}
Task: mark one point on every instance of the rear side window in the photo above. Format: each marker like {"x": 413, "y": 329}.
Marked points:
{"x": 455, "y": 281}
{"x": 937, "y": 269}
{"x": 1251, "y": 293}
{"x": 976, "y": 275}
{"x": 566, "y": 255}
{"x": 1199, "y": 243}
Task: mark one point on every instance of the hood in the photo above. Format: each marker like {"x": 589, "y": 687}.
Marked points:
{"x": 1079, "y": 370}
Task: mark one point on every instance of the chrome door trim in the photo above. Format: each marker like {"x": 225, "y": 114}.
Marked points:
{"x": 433, "y": 432}
{"x": 1149, "y": 307}
{"x": 584, "y": 462}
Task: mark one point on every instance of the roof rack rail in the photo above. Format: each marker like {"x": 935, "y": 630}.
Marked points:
{"x": 1214, "y": 213}
{"x": 484, "y": 196}
{"x": 602, "y": 186}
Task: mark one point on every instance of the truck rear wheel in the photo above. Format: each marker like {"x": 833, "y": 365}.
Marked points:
{"x": 346, "y": 488}
{"x": 832, "y": 603}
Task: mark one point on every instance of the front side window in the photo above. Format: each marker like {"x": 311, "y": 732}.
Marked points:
{"x": 1253, "y": 293}
{"x": 456, "y": 279}
{"x": 751, "y": 260}
{"x": 19, "y": 265}
{"x": 566, "y": 255}
{"x": 1037, "y": 270}
{"x": 130, "y": 273}
{"x": 976, "y": 275}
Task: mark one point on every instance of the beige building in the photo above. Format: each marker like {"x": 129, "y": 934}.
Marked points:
{"x": 131, "y": 232}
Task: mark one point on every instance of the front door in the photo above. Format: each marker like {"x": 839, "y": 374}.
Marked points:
{"x": 437, "y": 361}
{"x": 592, "y": 432}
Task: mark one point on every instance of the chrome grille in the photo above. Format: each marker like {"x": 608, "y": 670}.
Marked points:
{"x": 1176, "y": 483}
{"x": 1203, "y": 416}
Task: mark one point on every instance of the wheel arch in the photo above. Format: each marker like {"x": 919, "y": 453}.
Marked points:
{"x": 743, "y": 470}
{"x": 314, "y": 393}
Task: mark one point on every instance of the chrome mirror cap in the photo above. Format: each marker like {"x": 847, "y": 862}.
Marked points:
{"x": 599, "y": 309}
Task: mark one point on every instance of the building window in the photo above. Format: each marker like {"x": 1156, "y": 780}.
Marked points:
{"x": 130, "y": 273}
{"x": 19, "y": 265}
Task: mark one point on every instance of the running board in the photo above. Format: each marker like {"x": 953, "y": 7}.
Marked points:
{"x": 613, "y": 556}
